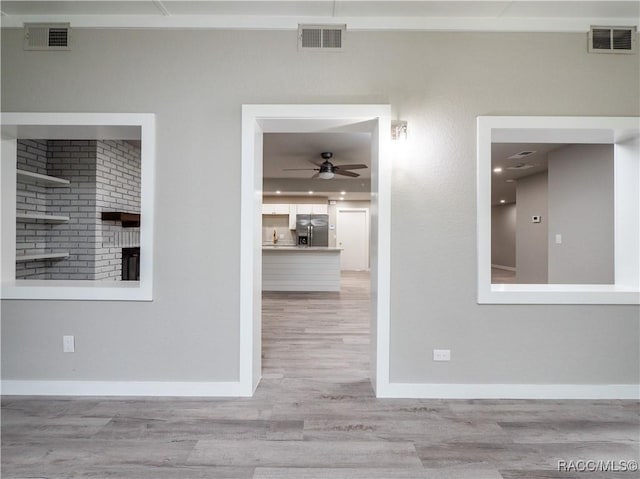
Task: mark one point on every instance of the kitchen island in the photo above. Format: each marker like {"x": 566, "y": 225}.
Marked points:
{"x": 300, "y": 268}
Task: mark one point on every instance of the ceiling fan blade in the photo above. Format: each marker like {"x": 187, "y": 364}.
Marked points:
{"x": 346, "y": 173}
{"x": 298, "y": 169}
{"x": 359, "y": 166}
{"x": 315, "y": 176}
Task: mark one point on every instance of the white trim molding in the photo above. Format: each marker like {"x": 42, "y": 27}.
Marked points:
{"x": 512, "y": 391}
{"x": 621, "y": 132}
{"x": 91, "y": 126}
{"x": 260, "y": 119}
{"x": 123, "y": 388}
{"x": 391, "y": 390}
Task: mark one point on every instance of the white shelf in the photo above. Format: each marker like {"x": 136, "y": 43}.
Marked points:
{"x": 43, "y": 217}
{"x": 36, "y": 257}
{"x": 46, "y": 180}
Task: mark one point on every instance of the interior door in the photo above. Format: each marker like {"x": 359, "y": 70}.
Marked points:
{"x": 353, "y": 237}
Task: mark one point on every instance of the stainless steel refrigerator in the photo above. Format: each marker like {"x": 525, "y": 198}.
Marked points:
{"x": 312, "y": 230}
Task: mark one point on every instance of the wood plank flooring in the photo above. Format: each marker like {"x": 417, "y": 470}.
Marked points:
{"x": 314, "y": 416}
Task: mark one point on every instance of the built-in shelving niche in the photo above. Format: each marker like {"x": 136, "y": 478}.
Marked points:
{"x": 29, "y": 177}
{"x": 44, "y": 180}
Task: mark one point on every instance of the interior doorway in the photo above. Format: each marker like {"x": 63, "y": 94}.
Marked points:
{"x": 260, "y": 119}
{"x": 352, "y": 228}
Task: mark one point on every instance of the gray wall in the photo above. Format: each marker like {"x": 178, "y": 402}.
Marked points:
{"x": 438, "y": 82}
{"x": 532, "y": 254}
{"x": 503, "y": 235}
{"x": 581, "y": 211}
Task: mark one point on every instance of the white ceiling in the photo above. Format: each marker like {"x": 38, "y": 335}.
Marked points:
{"x": 501, "y": 189}
{"x": 479, "y": 15}
{"x": 302, "y": 150}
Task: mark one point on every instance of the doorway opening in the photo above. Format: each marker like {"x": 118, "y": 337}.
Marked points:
{"x": 259, "y": 120}
{"x": 352, "y": 237}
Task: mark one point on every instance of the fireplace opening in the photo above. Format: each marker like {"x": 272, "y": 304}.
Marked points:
{"x": 131, "y": 264}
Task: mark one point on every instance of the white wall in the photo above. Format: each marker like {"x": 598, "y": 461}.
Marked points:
{"x": 581, "y": 211}
{"x": 438, "y": 82}
{"x": 503, "y": 235}
{"x": 532, "y": 253}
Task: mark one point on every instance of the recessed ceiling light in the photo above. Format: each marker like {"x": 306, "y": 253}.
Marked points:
{"x": 503, "y": 201}
{"x": 342, "y": 198}
{"x": 497, "y": 170}
{"x": 510, "y": 181}
{"x": 278, "y": 192}
{"x": 343, "y": 193}
{"x": 310, "y": 192}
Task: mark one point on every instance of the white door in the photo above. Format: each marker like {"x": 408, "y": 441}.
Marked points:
{"x": 353, "y": 237}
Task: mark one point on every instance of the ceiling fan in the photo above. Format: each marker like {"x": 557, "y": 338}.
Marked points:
{"x": 327, "y": 170}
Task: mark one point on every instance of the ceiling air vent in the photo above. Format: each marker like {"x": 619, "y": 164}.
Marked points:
{"x": 321, "y": 37}
{"x": 612, "y": 40}
{"x": 521, "y": 166}
{"x": 47, "y": 36}
{"x": 519, "y": 156}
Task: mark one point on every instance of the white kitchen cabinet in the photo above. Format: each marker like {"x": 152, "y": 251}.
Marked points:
{"x": 292, "y": 216}
{"x": 321, "y": 209}
{"x": 312, "y": 209}
{"x": 275, "y": 209}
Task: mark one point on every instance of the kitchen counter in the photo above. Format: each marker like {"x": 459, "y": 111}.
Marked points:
{"x": 300, "y": 268}
{"x": 325, "y": 249}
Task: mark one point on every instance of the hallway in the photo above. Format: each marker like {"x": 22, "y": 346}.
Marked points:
{"x": 318, "y": 335}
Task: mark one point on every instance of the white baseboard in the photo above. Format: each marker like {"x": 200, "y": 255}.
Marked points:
{"x": 506, "y": 268}
{"x": 390, "y": 390}
{"x": 124, "y": 388}
{"x": 511, "y": 391}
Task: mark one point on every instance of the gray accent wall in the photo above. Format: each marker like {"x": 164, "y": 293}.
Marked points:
{"x": 532, "y": 252}
{"x": 195, "y": 81}
{"x": 503, "y": 235}
{"x": 581, "y": 210}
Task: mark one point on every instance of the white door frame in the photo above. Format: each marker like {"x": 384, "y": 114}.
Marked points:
{"x": 259, "y": 119}
{"x": 368, "y": 238}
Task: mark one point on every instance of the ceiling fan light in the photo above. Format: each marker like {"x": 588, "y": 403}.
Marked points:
{"x": 326, "y": 175}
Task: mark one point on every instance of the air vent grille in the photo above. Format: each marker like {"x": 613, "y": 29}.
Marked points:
{"x": 521, "y": 155}
{"x": 321, "y": 37}
{"x": 612, "y": 40}
{"x": 46, "y": 36}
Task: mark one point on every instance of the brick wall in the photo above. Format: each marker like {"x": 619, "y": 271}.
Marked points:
{"x": 31, "y": 198}
{"x": 103, "y": 175}
{"x": 117, "y": 189}
{"x": 74, "y": 160}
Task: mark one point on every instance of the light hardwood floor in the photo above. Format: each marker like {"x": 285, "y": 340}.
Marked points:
{"x": 314, "y": 416}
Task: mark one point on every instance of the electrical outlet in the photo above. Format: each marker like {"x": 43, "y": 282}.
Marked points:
{"x": 68, "y": 344}
{"x": 442, "y": 355}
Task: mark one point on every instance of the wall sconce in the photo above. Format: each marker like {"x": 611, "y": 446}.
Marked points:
{"x": 398, "y": 130}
